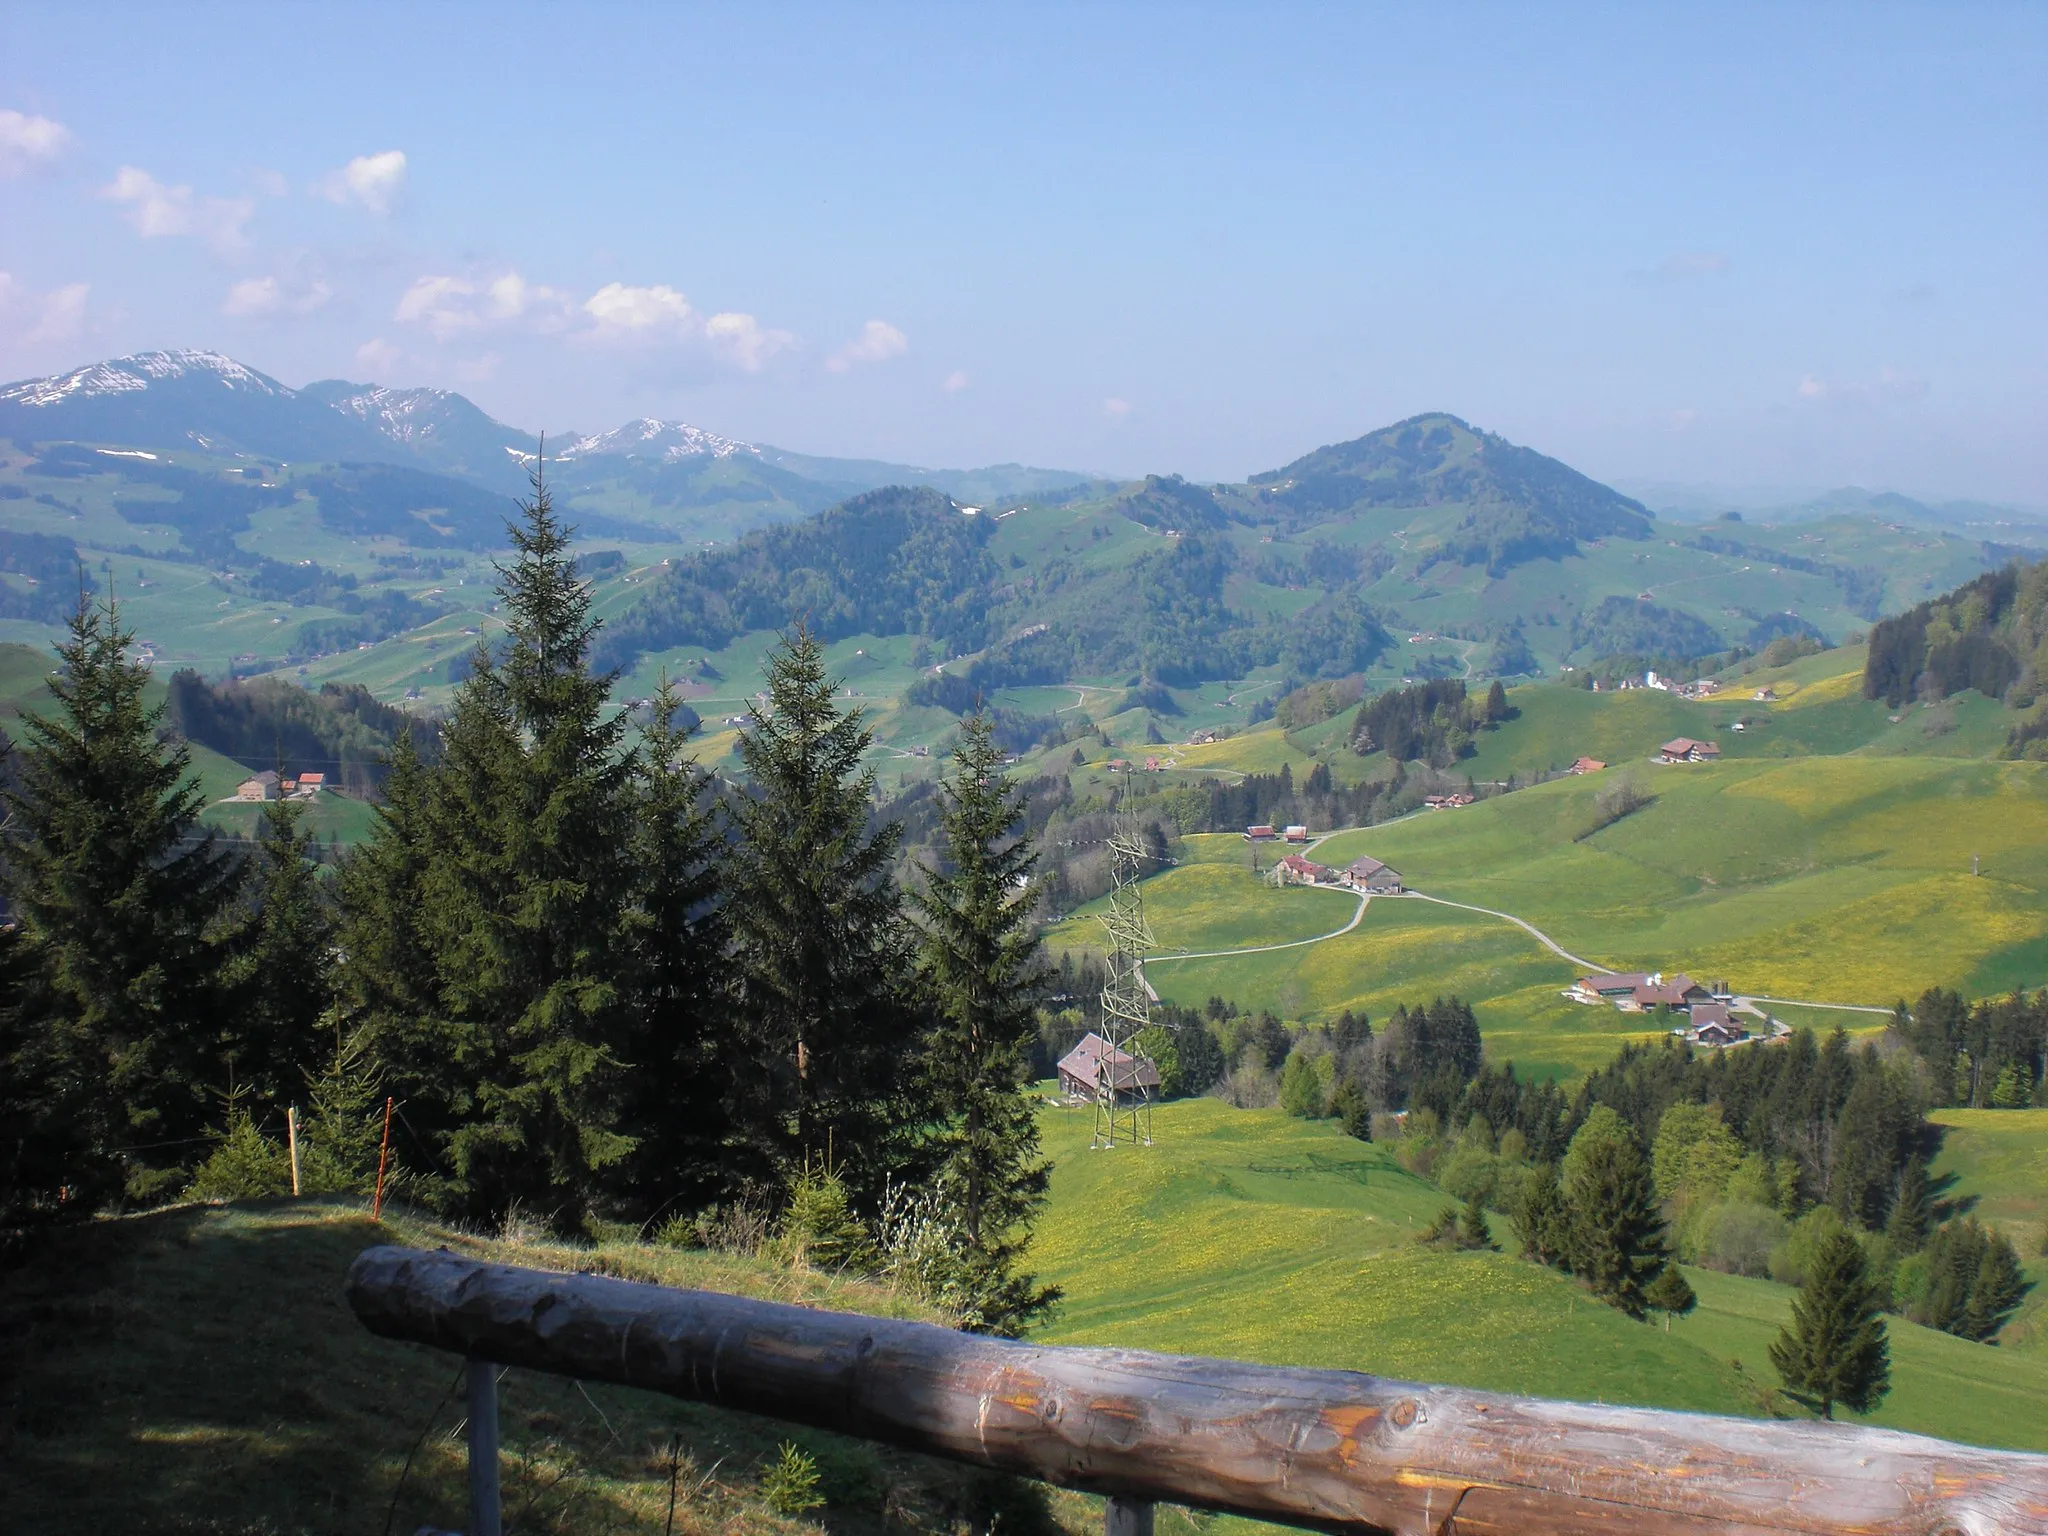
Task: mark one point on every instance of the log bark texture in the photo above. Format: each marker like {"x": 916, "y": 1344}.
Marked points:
{"x": 1332, "y": 1450}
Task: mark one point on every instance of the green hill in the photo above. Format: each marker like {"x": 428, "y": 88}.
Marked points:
{"x": 1249, "y": 1234}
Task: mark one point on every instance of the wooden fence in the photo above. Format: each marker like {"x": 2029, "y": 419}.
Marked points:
{"x": 1328, "y": 1450}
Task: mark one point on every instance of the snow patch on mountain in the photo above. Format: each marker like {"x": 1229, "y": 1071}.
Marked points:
{"x": 404, "y": 415}
{"x": 125, "y": 375}
{"x": 649, "y": 438}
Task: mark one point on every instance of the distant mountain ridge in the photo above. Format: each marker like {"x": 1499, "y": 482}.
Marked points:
{"x": 168, "y": 401}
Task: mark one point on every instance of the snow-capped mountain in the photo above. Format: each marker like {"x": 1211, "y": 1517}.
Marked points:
{"x": 437, "y": 425}
{"x": 184, "y": 400}
{"x": 665, "y": 441}
{"x": 127, "y": 375}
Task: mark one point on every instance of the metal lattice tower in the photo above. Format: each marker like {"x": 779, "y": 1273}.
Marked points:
{"x": 1123, "y": 1105}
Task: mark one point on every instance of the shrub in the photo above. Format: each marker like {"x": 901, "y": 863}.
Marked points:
{"x": 789, "y": 1484}
{"x": 1740, "y": 1238}
{"x": 244, "y": 1165}
{"x": 820, "y": 1227}
{"x": 1792, "y": 1259}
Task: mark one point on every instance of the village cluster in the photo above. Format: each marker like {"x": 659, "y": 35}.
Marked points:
{"x": 1711, "y": 1010}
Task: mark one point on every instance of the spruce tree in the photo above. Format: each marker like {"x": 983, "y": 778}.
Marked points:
{"x": 524, "y": 893}
{"x": 1543, "y": 1220}
{"x": 1912, "y": 1217}
{"x": 983, "y": 972}
{"x": 388, "y": 980}
{"x": 122, "y": 904}
{"x": 281, "y": 975}
{"x": 678, "y": 1006}
{"x": 1997, "y": 1290}
{"x": 1835, "y": 1349}
{"x": 821, "y": 951}
{"x": 1617, "y": 1236}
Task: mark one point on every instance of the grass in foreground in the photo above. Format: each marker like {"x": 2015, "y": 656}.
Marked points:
{"x": 196, "y": 1370}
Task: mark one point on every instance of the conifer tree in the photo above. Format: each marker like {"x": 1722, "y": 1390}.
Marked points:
{"x": 820, "y": 948}
{"x": 1496, "y": 702}
{"x": 1543, "y": 1220}
{"x": 678, "y": 1005}
{"x": 1835, "y": 1349}
{"x": 524, "y": 893}
{"x": 983, "y": 970}
{"x": 1671, "y": 1294}
{"x": 387, "y": 978}
{"x": 1912, "y": 1217}
{"x": 1617, "y": 1236}
{"x": 1997, "y": 1290}
{"x": 121, "y": 902}
{"x": 281, "y": 975}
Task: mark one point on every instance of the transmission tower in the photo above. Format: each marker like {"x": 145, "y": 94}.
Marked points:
{"x": 1123, "y": 1103}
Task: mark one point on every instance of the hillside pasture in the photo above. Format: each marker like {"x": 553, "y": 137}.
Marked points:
{"x": 1251, "y": 1235}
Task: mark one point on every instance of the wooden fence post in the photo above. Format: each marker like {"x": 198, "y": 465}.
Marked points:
{"x": 1127, "y": 1517}
{"x": 291, "y": 1132}
{"x": 484, "y": 1517}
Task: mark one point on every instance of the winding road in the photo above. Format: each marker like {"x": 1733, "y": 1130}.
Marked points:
{"x": 1589, "y": 966}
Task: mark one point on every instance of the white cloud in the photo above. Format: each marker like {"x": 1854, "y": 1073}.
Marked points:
{"x": 449, "y": 306}
{"x": 742, "y": 338}
{"x": 374, "y": 181}
{"x": 157, "y": 210}
{"x": 1115, "y": 409}
{"x": 378, "y": 355}
{"x": 271, "y": 296}
{"x": 1899, "y": 386}
{"x": 956, "y": 381}
{"x": 271, "y": 183}
{"x": 30, "y": 319}
{"x": 29, "y": 143}
{"x": 617, "y": 308}
{"x": 877, "y": 342}
{"x": 1694, "y": 264}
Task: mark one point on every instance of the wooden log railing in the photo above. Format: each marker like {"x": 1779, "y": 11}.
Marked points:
{"x": 1329, "y": 1450}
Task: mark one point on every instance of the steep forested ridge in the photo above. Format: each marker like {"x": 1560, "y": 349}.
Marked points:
{"x": 1986, "y": 635}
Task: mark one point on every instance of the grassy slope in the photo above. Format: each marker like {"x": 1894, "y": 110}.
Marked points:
{"x": 1247, "y": 1234}
{"x": 1842, "y": 879}
{"x": 197, "y": 1370}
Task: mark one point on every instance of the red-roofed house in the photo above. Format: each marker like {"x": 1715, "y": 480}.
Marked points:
{"x": 1293, "y": 869}
{"x": 1684, "y": 749}
{"x": 1091, "y": 1065}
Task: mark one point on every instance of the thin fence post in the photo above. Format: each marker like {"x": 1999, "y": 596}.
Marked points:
{"x": 484, "y": 1518}
{"x": 291, "y": 1132}
{"x": 383, "y": 1158}
{"x": 1127, "y": 1517}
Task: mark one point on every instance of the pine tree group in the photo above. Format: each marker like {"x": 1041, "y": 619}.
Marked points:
{"x": 594, "y": 983}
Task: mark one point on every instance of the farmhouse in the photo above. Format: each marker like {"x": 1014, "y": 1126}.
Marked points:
{"x": 1297, "y": 834}
{"x": 312, "y": 783}
{"x": 1369, "y": 874}
{"x": 1586, "y": 765}
{"x": 1765, "y": 695}
{"x": 1683, "y": 749}
{"x": 1293, "y": 869}
{"x": 1447, "y": 802}
{"x": 1259, "y": 834}
{"x": 1635, "y": 991}
{"x": 1092, "y": 1065}
{"x": 258, "y": 786}
{"x": 1710, "y": 1024}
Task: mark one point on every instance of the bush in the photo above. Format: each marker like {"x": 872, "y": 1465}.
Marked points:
{"x": 1740, "y": 1238}
{"x": 820, "y": 1228}
{"x": 244, "y": 1165}
{"x": 1792, "y": 1259}
{"x": 789, "y": 1484}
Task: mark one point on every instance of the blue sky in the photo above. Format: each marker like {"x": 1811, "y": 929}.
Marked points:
{"x": 1783, "y": 246}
